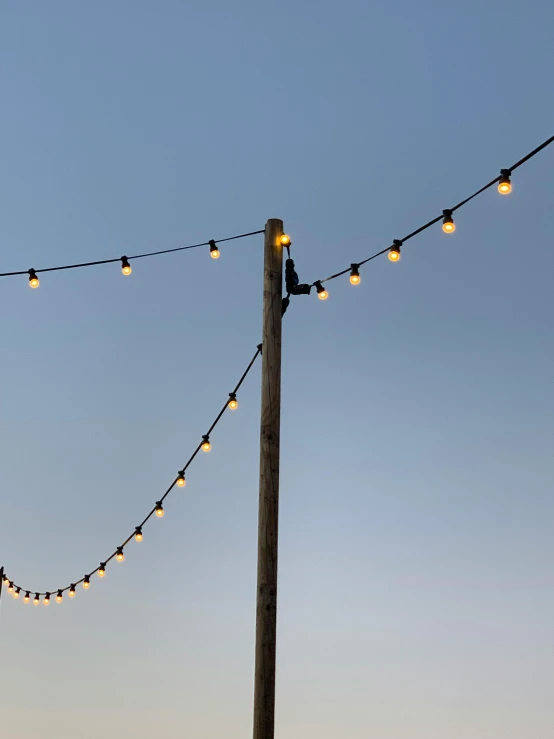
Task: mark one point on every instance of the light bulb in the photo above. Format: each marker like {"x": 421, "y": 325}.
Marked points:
{"x": 214, "y": 251}
{"x": 17, "y": 593}
{"x": 159, "y": 509}
{"x": 72, "y": 591}
{"x": 355, "y": 278}
{"x": 138, "y": 533}
{"x": 448, "y": 225}
{"x": 10, "y": 587}
{"x": 36, "y": 599}
{"x": 102, "y": 569}
{"x": 120, "y": 556}
{"x": 322, "y": 293}
{"x": 233, "y": 402}
{"x": 206, "y": 446}
{"x": 27, "y": 597}
{"x": 181, "y": 482}
{"x": 125, "y": 266}
{"x": 86, "y": 582}
{"x": 59, "y": 597}
{"x": 33, "y": 279}
{"x": 46, "y": 600}
{"x": 394, "y": 251}
{"x": 285, "y": 240}
{"x": 504, "y": 184}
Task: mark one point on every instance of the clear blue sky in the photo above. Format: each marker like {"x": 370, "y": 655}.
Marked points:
{"x": 416, "y": 571}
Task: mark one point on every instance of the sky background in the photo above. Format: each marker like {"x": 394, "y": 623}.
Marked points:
{"x": 416, "y": 578}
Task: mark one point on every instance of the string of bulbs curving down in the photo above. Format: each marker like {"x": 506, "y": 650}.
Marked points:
{"x": 448, "y": 226}
{"x": 158, "y": 510}
{"x": 126, "y": 268}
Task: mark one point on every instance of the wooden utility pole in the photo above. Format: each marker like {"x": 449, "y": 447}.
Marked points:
{"x": 268, "y": 516}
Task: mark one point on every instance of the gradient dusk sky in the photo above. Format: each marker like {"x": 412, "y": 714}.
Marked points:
{"x": 417, "y": 558}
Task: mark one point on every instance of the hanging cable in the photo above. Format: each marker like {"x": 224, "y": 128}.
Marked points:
{"x": 157, "y": 510}
{"x": 125, "y": 261}
{"x": 504, "y": 187}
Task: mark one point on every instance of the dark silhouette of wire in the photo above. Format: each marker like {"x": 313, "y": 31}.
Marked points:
{"x": 53, "y": 592}
{"x": 439, "y": 218}
{"x": 136, "y": 256}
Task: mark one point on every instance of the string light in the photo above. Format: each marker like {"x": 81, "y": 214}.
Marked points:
{"x": 46, "y": 600}
{"x": 33, "y": 279}
{"x": 59, "y": 596}
{"x": 17, "y": 592}
{"x": 36, "y": 599}
{"x": 394, "y": 251}
{"x": 233, "y": 402}
{"x": 322, "y": 293}
{"x": 27, "y": 597}
{"x": 158, "y": 510}
{"x": 181, "y": 482}
{"x": 125, "y": 266}
{"x": 355, "y": 278}
{"x": 214, "y": 251}
{"x": 504, "y": 183}
{"x": 448, "y": 225}
{"x": 285, "y": 240}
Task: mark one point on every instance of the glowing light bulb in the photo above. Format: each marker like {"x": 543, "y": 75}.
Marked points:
{"x": 394, "y": 251}
{"x": 448, "y": 225}
{"x": 285, "y": 240}
{"x": 322, "y": 293}
{"x": 33, "y": 279}
{"x": 72, "y": 591}
{"x": 214, "y": 251}
{"x": 36, "y": 599}
{"x": 504, "y": 184}
{"x": 233, "y": 402}
{"x": 125, "y": 266}
{"x": 206, "y": 446}
{"x": 10, "y": 587}
{"x": 86, "y": 582}
{"x": 59, "y": 597}
{"x": 17, "y": 593}
{"x": 138, "y": 533}
{"x": 159, "y": 509}
{"x": 355, "y": 278}
{"x": 120, "y": 556}
{"x": 27, "y": 597}
{"x": 181, "y": 482}
{"x": 46, "y": 600}
{"x": 102, "y": 569}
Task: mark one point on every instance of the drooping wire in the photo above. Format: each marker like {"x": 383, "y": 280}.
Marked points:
{"x": 446, "y": 213}
{"x": 129, "y": 258}
{"x": 158, "y": 507}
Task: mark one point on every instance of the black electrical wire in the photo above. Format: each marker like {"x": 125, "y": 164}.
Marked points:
{"x": 164, "y": 496}
{"x": 439, "y": 218}
{"x": 136, "y": 256}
